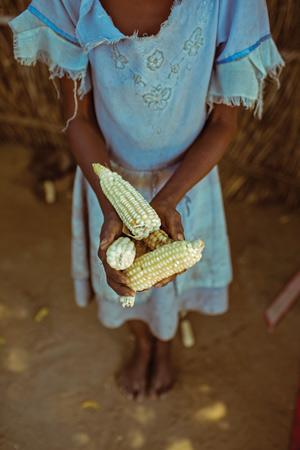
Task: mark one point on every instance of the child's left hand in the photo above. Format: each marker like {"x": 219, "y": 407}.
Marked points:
{"x": 171, "y": 224}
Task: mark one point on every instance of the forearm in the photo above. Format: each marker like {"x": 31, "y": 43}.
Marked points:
{"x": 88, "y": 147}
{"x": 86, "y": 141}
{"x": 205, "y": 152}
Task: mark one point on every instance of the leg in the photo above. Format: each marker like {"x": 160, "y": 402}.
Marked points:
{"x": 162, "y": 378}
{"x": 133, "y": 378}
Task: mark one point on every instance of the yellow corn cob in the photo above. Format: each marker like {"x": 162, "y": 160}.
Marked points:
{"x": 120, "y": 255}
{"x": 134, "y": 211}
{"x": 161, "y": 263}
{"x": 157, "y": 239}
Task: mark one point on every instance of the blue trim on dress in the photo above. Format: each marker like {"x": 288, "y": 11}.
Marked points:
{"x": 51, "y": 25}
{"x": 244, "y": 52}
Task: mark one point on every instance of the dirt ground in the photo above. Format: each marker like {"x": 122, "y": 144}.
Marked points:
{"x": 237, "y": 385}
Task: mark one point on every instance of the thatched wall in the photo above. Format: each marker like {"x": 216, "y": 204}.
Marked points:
{"x": 30, "y": 112}
{"x": 262, "y": 164}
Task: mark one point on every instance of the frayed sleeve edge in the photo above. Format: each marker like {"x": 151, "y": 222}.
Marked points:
{"x": 255, "y": 104}
{"x": 241, "y": 82}
{"x": 41, "y": 43}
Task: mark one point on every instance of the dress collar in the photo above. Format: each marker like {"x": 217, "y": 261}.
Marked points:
{"x": 95, "y": 27}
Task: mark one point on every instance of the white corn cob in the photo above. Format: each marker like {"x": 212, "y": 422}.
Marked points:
{"x": 134, "y": 211}
{"x": 163, "y": 262}
{"x": 127, "y": 301}
{"x": 120, "y": 255}
{"x": 157, "y": 239}
{"x": 187, "y": 334}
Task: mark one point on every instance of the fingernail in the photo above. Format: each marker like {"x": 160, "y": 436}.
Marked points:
{"x": 180, "y": 237}
{"x": 103, "y": 243}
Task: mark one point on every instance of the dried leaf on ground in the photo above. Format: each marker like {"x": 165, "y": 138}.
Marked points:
{"x": 41, "y": 314}
{"x": 90, "y": 404}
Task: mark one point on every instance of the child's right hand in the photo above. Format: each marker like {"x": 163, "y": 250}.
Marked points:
{"x": 110, "y": 231}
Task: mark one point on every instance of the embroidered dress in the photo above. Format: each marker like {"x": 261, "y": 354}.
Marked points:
{"x": 152, "y": 96}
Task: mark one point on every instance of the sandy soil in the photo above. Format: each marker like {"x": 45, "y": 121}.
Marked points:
{"x": 237, "y": 386}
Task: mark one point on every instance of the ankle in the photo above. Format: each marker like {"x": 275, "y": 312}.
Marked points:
{"x": 162, "y": 348}
{"x": 142, "y": 335}
{"x": 144, "y": 343}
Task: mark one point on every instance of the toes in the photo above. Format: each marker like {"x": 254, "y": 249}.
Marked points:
{"x": 131, "y": 391}
{"x": 124, "y": 388}
{"x": 161, "y": 392}
{"x": 127, "y": 393}
{"x": 138, "y": 392}
{"x": 165, "y": 392}
{"x": 154, "y": 391}
{"x": 140, "y": 395}
{"x": 156, "y": 394}
{"x": 153, "y": 395}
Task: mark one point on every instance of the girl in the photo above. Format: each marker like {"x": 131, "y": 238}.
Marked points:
{"x": 152, "y": 88}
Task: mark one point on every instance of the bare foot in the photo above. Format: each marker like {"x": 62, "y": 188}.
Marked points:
{"x": 162, "y": 378}
{"x": 133, "y": 378}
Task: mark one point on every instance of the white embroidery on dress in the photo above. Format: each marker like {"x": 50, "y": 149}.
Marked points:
{"x": 174, "y": 68}
{"x": 195, "y": 41}
{"x": 158, "y": 98}
{"x": 155, "y": 61}
{"x": 119, "y": 59}
{"x": 138, "y": 79}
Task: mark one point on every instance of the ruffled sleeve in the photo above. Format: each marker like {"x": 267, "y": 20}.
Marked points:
{"x": 46, "y": 32}
{"x": 246, "y": 55}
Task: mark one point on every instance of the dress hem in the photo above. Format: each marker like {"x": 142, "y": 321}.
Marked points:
{"x": 153, "y": 332}
{"x": 112, "y": 315}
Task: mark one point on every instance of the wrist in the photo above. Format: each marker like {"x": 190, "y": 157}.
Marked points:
{"x": 166, "y": 197}
{"x": 109, "y": 212}
{"x": 106, "y": 207}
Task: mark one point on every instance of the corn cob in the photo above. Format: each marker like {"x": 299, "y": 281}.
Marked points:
{"x": 134, "y": 211}
{"x": 161, "y": 263}
{"x": 120, "y": 255}
{"x": 157, "y": 239}
{"x": 127, "y": 301}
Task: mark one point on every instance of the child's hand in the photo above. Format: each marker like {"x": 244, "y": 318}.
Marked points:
{"x": 110, "y": 231}
{"x": 171, "y": 224}
{"x": 170, "y": 219}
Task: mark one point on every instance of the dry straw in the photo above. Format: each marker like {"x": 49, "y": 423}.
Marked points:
{"x": 30, "y": 112}
{"x": 262, "y": 164}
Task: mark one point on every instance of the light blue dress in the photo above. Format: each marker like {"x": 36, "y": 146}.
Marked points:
{"x": 152, "y": 97}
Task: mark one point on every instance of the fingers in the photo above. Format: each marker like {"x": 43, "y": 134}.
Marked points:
{"x": 174, "y": 225}
{"x": 116, "y": 279}
{"x": 165, "y": 281}
{"x": 117, "y": 275}
{"x": 122, "y": 290}
{"x": 170, "y": 218}
{"x": 111, "y": 229}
